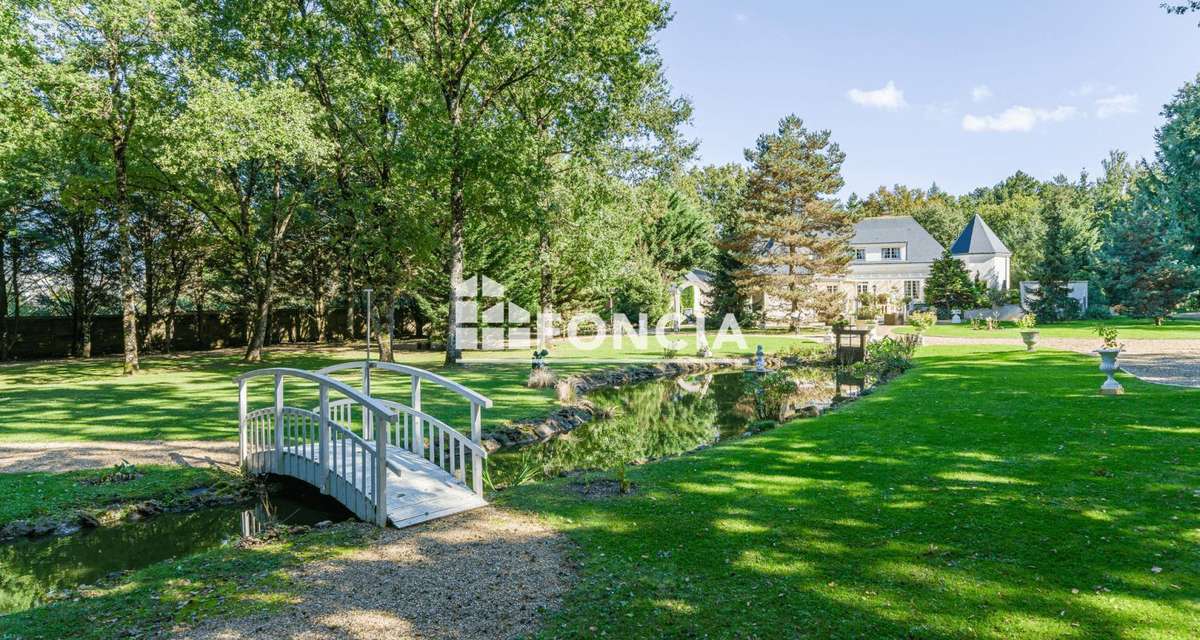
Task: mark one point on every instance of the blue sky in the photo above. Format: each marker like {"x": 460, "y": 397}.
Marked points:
{"x": 961, "y": 93}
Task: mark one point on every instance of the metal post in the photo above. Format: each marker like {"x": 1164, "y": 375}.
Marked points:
{"x": 278, "y": 423}
{"x": 368, "y": 292}
{"x": 324, "y": 448}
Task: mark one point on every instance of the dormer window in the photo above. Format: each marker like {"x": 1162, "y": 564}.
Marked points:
{"x": 860, "y": 254}
{"x": 891, "y": 253}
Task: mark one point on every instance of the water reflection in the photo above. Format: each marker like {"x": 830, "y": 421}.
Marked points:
{"x": 667, "y": 417}
{"x": 32, "y": 570}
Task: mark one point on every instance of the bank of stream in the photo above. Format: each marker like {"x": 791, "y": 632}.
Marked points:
{"x": 670, "y": 416}
{"x": 38, "y": 570}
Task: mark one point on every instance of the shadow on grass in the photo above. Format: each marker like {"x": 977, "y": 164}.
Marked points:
{"x": 986, "y": 494}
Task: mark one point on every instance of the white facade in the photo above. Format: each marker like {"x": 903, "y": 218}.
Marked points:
{"x": 893, "y": 256}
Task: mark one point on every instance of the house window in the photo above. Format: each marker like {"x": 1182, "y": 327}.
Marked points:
{"x": 864, "y": 287}
{"x": 912, "y": 289}
{"x": 860, "y": 254}
{"x": 891, "y": 253}
{"x": 831, "y": 288}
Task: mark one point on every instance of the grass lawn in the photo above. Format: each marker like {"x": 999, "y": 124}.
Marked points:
{"x": 227, "y": 581}
{"x": 28, "y": 496}
{"x": 1129, "y": 328}
{"x": 193, "y": 396}
{"x": 989, "y": 493}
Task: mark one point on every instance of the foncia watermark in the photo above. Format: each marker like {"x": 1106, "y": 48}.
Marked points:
{"x": 487, "y": 321}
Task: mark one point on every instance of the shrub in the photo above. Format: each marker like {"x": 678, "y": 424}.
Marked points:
{"x": 541, "y": 378}
{"x": 921, "y": 321}
{"x": 890, "y": 356}
{"x": 1097, "y": 312}
{"x": 1027, "y": 322}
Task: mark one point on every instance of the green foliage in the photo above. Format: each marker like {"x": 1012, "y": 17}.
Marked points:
{"x": 1027, "y": 321}
{"x": 889, "y": 356}
{"x": 1066, "y": 255}
{"x": 1109, "y": 335}
{"x": 790, "y": 230}
{"x": 921, "y": 321}
{"x": 949, "y": 285}
{"x": 1146, "y": 261}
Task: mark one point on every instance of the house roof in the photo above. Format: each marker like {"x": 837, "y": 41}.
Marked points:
{"x": 977, "y": 237}
{"x": 922, "y": 247}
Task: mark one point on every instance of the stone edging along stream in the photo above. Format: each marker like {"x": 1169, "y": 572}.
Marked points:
{"x": 72, "y": 520}
{"x": 577, "y": 410}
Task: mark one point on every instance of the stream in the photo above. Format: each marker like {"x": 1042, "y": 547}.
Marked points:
{"x": 662, "y": 418}
{"x": 34, "y": 570}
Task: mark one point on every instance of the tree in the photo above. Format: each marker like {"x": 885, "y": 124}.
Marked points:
{"x": 792, "y": 235}
{"x": 720, "y": 192}
{"x": 476, "y": 61}
{"x": 1178, "y": 160}
{"x": 949, "y": 284}
{"x": 104, "y": 75}
{"x": 1066, "y": 253}
{"x": 239, "y": 156}
{"x": 1145, "y": 256}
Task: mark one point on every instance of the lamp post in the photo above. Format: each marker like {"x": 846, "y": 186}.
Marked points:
{"x": 368, "y": 292}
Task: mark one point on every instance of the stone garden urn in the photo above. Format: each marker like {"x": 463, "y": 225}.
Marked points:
{"x": 956, "y": 317}
{"x": 1108, "y": 364}
{"x": 1030, "y": 339}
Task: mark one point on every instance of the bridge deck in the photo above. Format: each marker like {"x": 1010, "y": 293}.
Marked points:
{"x": 422, "y": 491}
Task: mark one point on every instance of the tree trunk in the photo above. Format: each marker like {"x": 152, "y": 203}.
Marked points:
{"x": 172, "y": 309}
{"x": 262, "y": 308}
{"x": 454, "y": 266}
{"x": 3, "y": 297}
{"x": 85, "y": 332}
{"x": 120, "y": 138}
{"x": 546, "y": 286}
{"x": 387, "y": 328}
{"x": 319, "y": 318}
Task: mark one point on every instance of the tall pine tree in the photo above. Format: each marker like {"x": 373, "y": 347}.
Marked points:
{"x": 949, "y": 285}
{"x": 1066, "y": 253}
{"x": 1146, "y": 255}
{"x": 792, "y": 235}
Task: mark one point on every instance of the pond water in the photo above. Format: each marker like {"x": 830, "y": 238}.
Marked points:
{"x": 33, "y": 569}
{"x": 666, "y": 417}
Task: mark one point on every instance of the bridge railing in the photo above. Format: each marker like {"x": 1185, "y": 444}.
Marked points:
{"x": 419, "y": 432}
{"x": 312, "y": 445}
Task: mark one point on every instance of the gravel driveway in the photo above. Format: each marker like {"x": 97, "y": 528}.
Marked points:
{"x": 486, "y": 573}
{"x": 56, "y": 457}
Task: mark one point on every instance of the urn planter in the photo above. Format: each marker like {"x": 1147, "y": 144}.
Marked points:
{"x": 1030, "y": 339}
{"x": 1108, "y": 365}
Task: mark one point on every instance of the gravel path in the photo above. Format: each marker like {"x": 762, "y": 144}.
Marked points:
{"x": 17, "y": 457}
{"x": 487, "y": 573}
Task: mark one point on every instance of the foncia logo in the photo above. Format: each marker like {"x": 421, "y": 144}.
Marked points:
{"x": 488, "y": 331}
{"x": 504, "y": 325}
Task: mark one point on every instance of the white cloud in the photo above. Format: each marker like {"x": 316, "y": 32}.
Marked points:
{"x": 1017, "y": 118}
{"x": 1088, "y": 88}
{"x": 889, "y": 97}
{"x": 1116, "y": 105}
{"x": 980, "y": 93}
{"x": 741, "y": 17}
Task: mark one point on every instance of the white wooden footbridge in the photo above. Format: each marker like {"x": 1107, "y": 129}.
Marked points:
{"x": 384, "y": 460}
